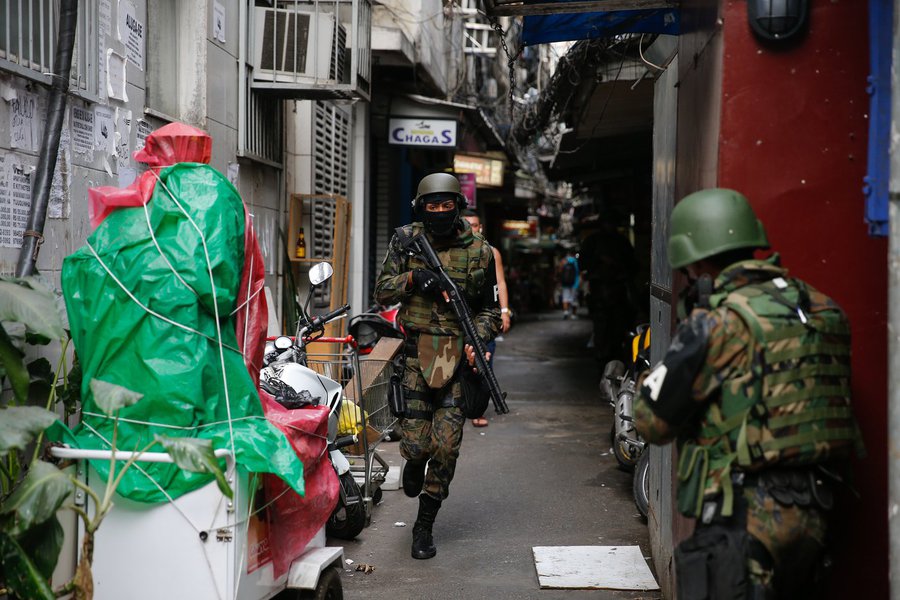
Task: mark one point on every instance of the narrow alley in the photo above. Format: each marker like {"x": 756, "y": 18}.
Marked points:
{"x": 540, "y": 476}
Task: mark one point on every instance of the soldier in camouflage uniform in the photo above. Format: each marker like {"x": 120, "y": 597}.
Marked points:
{"x": 433, "y": 427}
{"x": 756, "y": 389}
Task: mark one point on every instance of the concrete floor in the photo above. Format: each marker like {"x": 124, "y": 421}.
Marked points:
{"x": 542, "y": 475}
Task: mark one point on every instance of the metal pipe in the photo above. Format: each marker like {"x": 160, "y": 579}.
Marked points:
{"x": 893, "y": 425}
{"x": 156, "y": 457}
{"x": 59, "y": 89}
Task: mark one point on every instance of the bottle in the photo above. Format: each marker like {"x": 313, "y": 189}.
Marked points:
{"x": 301, "y": 245}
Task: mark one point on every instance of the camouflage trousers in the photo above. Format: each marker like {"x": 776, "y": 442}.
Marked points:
{"x": 434, "y": 430}
{"x": 765, "y": 551}
{"x": 794, "y": 539}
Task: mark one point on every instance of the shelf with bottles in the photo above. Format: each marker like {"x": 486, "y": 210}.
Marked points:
{"x": 319, "y": 228}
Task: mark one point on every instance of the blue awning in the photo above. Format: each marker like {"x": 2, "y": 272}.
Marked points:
{"x": 543, "y": 29}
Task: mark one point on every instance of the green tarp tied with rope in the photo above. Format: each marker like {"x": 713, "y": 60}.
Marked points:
{"x": 151, "y": 299}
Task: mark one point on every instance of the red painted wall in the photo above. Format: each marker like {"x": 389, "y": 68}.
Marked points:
{"x": 793, "y": 139}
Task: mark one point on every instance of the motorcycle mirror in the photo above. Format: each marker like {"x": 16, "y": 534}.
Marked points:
{"x": 282, "y": 343}
{"x": 320, "y": 273}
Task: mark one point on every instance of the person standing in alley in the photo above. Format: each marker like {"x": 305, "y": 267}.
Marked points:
{"x": 433, "y": 425}
{"x": 569, "y": 277}
{"x": 756, "y": 389}
{"x": 475, "y": 223}
{"x": 608, "y": 262}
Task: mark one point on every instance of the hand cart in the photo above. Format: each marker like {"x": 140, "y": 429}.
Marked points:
{"x": 367, "y": 379}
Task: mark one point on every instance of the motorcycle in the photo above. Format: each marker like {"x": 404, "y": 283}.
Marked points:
{"x": 618, "y": 386}
{"x": 287, "y": 376}
{"x": 376, "y": 323}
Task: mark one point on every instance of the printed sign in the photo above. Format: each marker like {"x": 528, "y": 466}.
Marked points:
{"x": 489, "y": 171}
{"x": 131, "y": 33}
{"x": 83, "y": 130}
{"x": 467, "y": 184}
{"x": 433, "y": 133}
{"x": 15, "y": 201}
{"x": 23, "y": 123}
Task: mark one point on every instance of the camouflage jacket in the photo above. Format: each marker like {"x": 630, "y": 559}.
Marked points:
{"x": 469, "y": 260}
{"x": 751, "y": 382}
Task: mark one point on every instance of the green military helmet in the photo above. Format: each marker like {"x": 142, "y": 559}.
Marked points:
{"x": 439, "y": 183}
{"x": 710, "y": 222}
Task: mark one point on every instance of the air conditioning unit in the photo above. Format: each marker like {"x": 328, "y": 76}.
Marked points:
{"x": 298, "y": 46}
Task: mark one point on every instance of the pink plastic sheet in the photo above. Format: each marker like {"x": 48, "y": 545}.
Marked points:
{"x": 294, "y": 520}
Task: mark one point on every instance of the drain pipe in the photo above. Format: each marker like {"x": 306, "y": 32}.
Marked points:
{"x": 59, "y": 89}
{"x": 893, "y": 425}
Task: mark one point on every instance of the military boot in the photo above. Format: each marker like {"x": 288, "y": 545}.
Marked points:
{"x": 423, "y": 542}
{"x": 413, "y": 477}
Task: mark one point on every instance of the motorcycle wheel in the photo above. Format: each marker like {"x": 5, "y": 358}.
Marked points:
{"x": 620, "y": 451}
{"x": 328, "y": 588}
{"x": 347, "y": 521}
{"x": 641, "y": 484}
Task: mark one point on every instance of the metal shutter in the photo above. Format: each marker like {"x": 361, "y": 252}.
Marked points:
{"x": 331, "y": 175}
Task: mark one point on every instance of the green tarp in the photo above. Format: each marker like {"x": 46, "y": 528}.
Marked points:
{"x": 138, "y": 325}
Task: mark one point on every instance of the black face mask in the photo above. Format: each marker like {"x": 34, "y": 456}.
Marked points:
{"x": 440, "y": 224}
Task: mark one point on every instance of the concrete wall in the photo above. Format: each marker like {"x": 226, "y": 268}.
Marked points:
{"x": 420, "y": 22}
{"x": 207, "y": 82}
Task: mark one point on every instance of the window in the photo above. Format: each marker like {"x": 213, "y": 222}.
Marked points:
{"x": 28, "y": 35}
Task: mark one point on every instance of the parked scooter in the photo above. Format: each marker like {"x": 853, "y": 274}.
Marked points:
{"x": 287, "y": 377}
{"x": 618, "y": 386}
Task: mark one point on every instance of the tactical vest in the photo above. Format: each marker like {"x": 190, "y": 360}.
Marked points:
{"x": 465, "y": 261}
{"x": 793, "y": 409}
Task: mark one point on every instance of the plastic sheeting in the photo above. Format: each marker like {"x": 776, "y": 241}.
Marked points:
{"x": 293, "y": 521}
{"x": 562, "y": 27}
{"x": 150, "y": 297}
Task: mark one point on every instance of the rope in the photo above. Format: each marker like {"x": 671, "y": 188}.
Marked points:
{"x": 212, "y": 283}
{"x": 146, "y": 308}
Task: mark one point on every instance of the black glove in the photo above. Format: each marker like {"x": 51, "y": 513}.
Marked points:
{"x": 426, "y": 281}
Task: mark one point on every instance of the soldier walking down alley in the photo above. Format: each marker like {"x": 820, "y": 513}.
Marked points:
{"x": 756, "y": 389}
{"x": 433, "y": 425}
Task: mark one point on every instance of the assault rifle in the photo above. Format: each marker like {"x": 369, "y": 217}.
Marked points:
{"x": 420, "y": 246}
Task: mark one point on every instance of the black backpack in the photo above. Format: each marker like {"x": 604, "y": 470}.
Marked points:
{"x": 569, "y": 273}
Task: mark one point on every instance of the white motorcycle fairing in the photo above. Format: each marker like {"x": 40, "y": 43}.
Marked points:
{"x": 303, "y": 378}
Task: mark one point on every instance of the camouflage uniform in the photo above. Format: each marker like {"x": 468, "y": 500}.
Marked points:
{"x": 434, "y": 347}
{"x": 756, "y": 389}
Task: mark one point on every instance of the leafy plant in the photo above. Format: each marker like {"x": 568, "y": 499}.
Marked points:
{"x": 33, "y": 490}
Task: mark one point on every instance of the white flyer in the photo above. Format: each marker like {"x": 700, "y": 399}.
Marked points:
{"x": 19, "y": 201}
{"x": 83, "y": 131}
{"x": 115, "y": 76}
{"x": 104, "y": 129}
{"x": 124, "y": 168}
{"x": 144, "y": 128}
{"x": 131, "y": 33}
{"x": 23, "y": 121}
{"x": 218, "y": 21}
{"x": 6, "y": 239}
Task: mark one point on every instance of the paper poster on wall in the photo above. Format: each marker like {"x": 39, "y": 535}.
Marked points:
{"x": 58, "y": 207}
{"x": 219, "y": 22}
{"x": 5, "y": 206}
{"x": 23, "y": 121}
{"x": 115, "y": 76}
{"x": 144, "y": 129}
{"x": 469, "y": 188}
{"x": 83, "y": 131}
{"x": 104, "y": 29}
{"x": 15, "y": 200}
{"x": 131, "y": 33}
{"x": 233, "y": 173}
{"x": 104, "y": 129}
{"x": 124, "y": 167}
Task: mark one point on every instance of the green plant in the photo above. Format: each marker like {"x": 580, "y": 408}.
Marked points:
{"x": 32, "y": 490}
